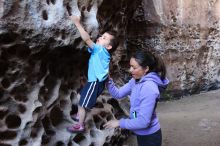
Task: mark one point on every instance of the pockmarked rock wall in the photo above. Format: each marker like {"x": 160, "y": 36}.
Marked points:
{"x": 43, "y": 61}
{"x": 43, "y": 66}
{"x": 186, "y": 35}
{"x": 190, "y": 37}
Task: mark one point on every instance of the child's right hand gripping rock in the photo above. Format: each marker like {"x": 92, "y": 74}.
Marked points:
{"x": 75, "y": 19}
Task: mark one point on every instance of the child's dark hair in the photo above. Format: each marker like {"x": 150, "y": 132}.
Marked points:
{"x": 114, "y": 41}
{"x": 153, "y": 61}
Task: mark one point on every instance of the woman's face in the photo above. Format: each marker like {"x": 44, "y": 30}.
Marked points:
{"x": 136, "y": 70}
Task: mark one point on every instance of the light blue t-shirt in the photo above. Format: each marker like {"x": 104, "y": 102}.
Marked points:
{"x": 98, "y": 63}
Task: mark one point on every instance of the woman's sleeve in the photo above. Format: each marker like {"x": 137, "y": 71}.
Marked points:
{"x": 148, "y": 96}
{"x": 118, "y": 93}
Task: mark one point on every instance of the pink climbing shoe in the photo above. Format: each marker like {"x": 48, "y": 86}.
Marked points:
{"x": 76, "y": 128}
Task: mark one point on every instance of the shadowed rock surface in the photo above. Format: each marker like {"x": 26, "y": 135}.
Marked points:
{"x": 43, "y": 61}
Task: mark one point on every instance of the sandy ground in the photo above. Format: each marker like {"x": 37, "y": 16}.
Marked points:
{"x": 190, "y": 121}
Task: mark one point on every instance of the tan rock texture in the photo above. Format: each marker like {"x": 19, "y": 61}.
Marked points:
{"x": 43, "y": 61}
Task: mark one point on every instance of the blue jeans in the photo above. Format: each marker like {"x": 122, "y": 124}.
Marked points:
{"x": 154, "y": 139}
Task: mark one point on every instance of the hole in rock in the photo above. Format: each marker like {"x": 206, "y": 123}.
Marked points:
{"x": 103, "y": 114}
{"x": 57, "y": 33}
{"x": 83, "y": 9}
{"x": 37, "y": 110}
{"x": 60, "y": 143}
{"x": 5, "y": 83}
{"x": 90, "y": 123}
{"x": 45, "y": 98}
{"x": 79, "y": 137}
{"x": 4, "y": 144}
{"x": 8, "y": 38}
{"x": 120, "y": 141}
{"x": 77, "y": 41}
{"x": 72, "y": 96}
{"x": 53, "y": 1}
{"x": 3, "y": 112}
{"x": 92, "y": 133}
{"x": 69, "y": 9}
{"x": 21, "y": 89}
{"x": 97, "y": 118}
{"x": 108, "y": 138}
{"x": 63, "y": 103}
{"x": 20, "y": 50}
{"x": 46, "y": 122}
{"x": 92, "y": 144}
{"x": 113, "y": 102}
{"x": 50, "y": 82}
{"x": 48, "y": 2}
{"x": 3, "y": 68}
{"x": 103, "y": 101}
{"x": 99, "y": 105}
{"x": 23, "y": 51}
{"x": 89, "y": 6}
{"x": 20, "y": 98}
{"x": 50, "y": 132}
{"x": 13, "y": 121}
{"x": 118, "y": 111}
{"x": 12, "y": 50}
{"x": 74, "y": 109}
{"x": 43, "y": 94}
{"x": 21, "y": 108}
{"x": 63, "y": 35}
{"x": 69, "y": 143}
{"x": 8, "y": 135}
{"x": 56, "y": 116}
{"x": 29, "y": 123}
{"x": 45, "y": 139}
{"x": 106, "y": 144}
{"x": 39, "y": 55}
{"x": 114, "y": 140}
{"x": 65, "y": 87}
{"x": 2, "y": 91}
{"x": 44, "y": 15}
{"x": 109, "y": 117}
{"x": 102, "y": 126}
{"x": 4, "y": 55}
{"x": 23, "y": 142}
{"x": 33, "y": 133}
{"x": 36, "y": 129}
{"x": 63, "y": 62}
{"x": 125, "y": 133}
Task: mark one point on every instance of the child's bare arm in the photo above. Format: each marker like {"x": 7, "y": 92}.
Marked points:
{"x": 84, "y": 35}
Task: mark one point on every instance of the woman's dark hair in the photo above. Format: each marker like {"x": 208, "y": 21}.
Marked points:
{"x": 114, "y": 41}
{"x": 153, "y": 61}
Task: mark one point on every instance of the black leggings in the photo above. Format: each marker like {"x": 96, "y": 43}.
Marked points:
{"x": 154, "y": 139}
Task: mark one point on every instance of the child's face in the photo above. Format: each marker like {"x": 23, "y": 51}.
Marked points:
{"x": 105, "y": 40}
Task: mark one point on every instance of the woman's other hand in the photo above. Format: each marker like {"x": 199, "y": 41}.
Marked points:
{"x": 112, "y": 124}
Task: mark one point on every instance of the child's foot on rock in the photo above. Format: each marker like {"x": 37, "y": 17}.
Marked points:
{"x": 76, "y": 128}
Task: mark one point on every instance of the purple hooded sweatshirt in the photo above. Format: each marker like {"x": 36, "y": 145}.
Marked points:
{"x": 143, "y": 97}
